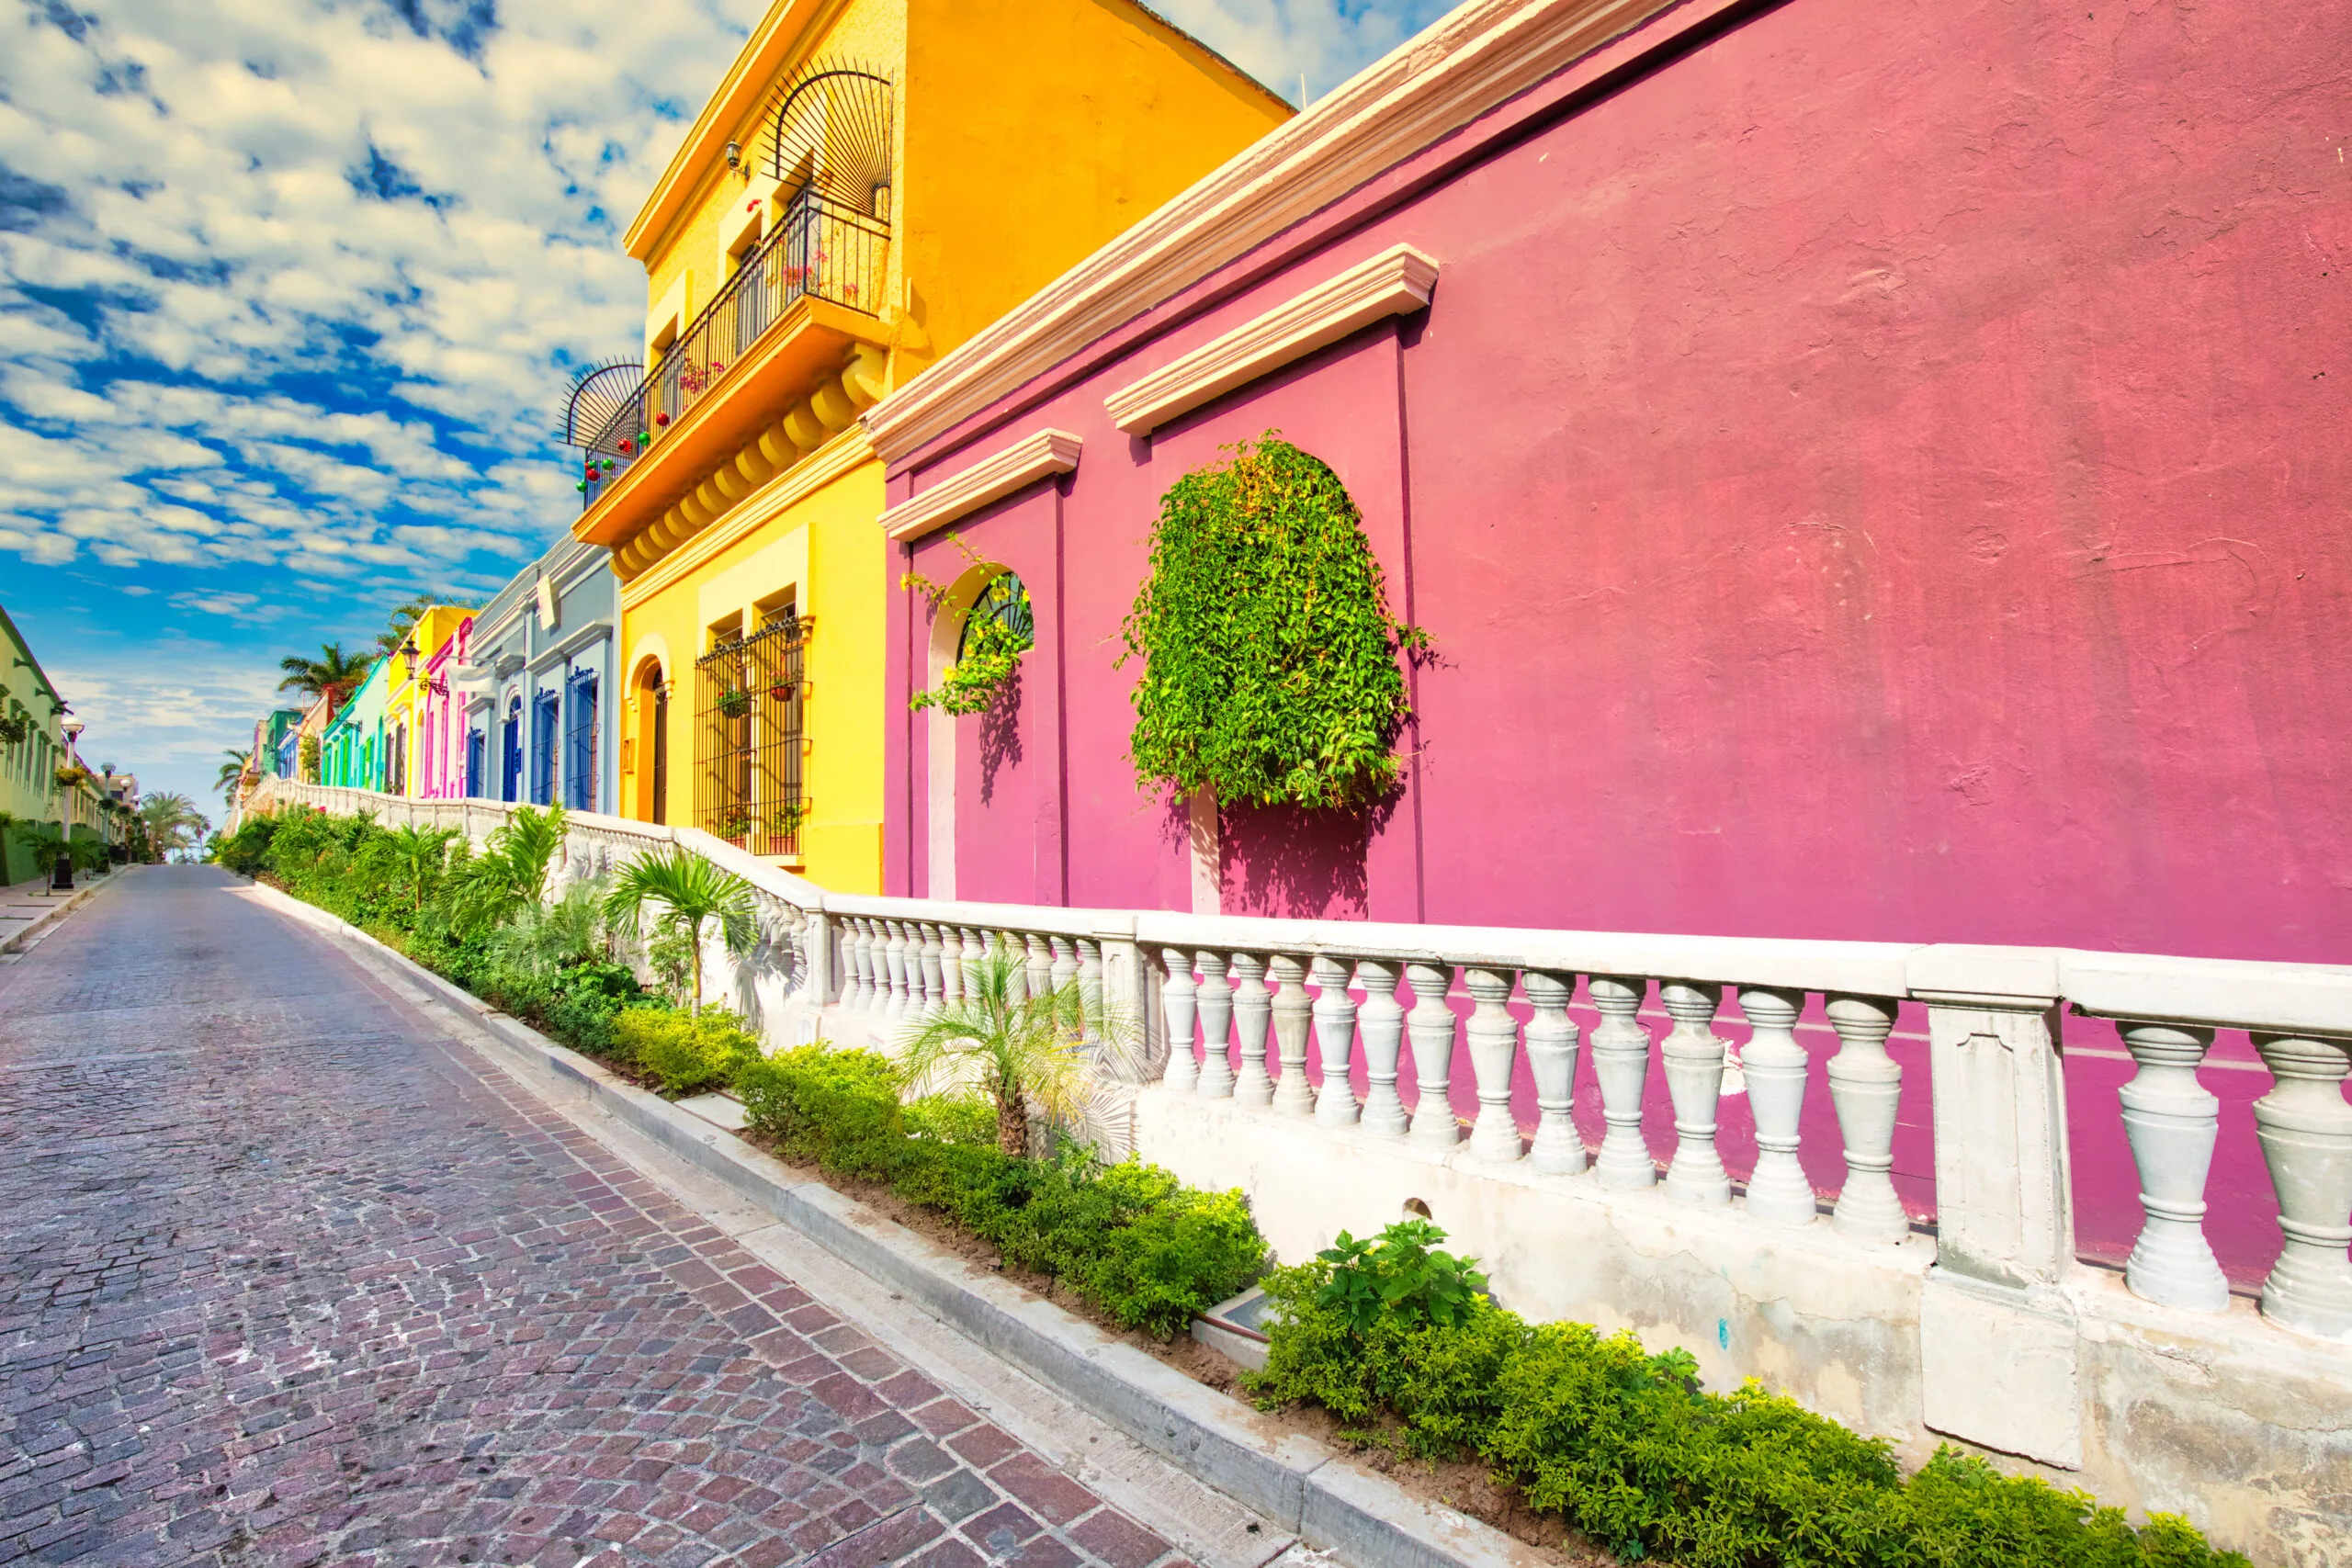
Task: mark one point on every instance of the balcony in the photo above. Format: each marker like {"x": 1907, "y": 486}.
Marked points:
{"x": 794, "y": 312}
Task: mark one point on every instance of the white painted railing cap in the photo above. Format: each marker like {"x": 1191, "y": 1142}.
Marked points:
{"x": 2015, "y": 975}
{"x": 2277, "y": 998}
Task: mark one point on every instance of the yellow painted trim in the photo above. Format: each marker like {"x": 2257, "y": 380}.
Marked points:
{"x": 843, "y": 453}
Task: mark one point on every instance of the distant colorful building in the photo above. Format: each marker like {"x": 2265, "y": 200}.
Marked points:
{"x": 537, "y": 681}
{"x": 423, "y": 719}
{"x": 351, "y": 754}
{"x": 870, "y": 185}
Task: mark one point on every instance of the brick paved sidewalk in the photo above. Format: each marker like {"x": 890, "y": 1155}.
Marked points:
{"x": 288, "y": 1278}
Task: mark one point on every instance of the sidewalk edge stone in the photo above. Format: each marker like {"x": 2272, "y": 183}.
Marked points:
{"x": 47, "y": 919}
{"x": 1296, "y": 1481}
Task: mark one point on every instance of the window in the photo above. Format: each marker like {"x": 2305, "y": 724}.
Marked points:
{"x": 543, "y": 733}
{"x": 748, "y": 739}
{"x": 661, "y": 754}
{"x": 510, "y": 752}
{"x": 580, "y": 742}
{"x": 475, "y": 746}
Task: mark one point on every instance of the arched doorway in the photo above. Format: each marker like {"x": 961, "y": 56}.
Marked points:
{"x": 651, "y": 744}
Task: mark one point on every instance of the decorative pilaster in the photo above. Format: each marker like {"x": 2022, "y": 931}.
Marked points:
{"x": 1335, "y": 1032}
{"x": 1621, "y": 1061}
{"x": 2172, "y": 1122}
{"x": 1779, "y": 1191}
{"x": 1294, "y": 1096}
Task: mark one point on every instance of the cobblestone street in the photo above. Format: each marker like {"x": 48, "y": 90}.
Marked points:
{"x": 288, "y": 1277}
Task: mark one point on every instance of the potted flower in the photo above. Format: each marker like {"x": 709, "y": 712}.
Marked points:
{"x": 734, "y": 704}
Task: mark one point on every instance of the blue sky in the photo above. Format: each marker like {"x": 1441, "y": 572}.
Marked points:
{"x": 289, "y": 293}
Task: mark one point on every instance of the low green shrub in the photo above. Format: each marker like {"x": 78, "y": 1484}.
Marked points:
{"x": 1631, "y": 1450}
{"x": 1146, "y": 1249}
{"x": 684, "y": 1052}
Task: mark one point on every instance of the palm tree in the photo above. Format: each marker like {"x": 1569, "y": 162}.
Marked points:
{"x": 422, "y": 854}
{"x": 173, "y": 821}
{"x": 232, "y": 769}
{"x": 511, "y": 873}
{"x": 331, "y": 671}
{"x": 691, "y": 893}
{"x": 1029, "y": 1051}
{"x": 404, "y": 621}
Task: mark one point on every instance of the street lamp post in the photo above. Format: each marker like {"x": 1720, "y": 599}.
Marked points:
{"x": 62, "y": 879}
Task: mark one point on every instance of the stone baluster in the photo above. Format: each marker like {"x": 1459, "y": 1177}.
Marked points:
{"x": 934, "y": 974}
{"x": 853, "y": 964}
{"x": 1693, "y": 1055}
{"x": 976, "y": 953}
{"x": 902, "y": 974}
{"x": 1216, "y": 999}
{"x": 870, "y": 957}
{"x": 1779, "y": 1191}
{"x": 1041, "y": 963}
{"x": 2306, "y": 1132}
{"x": 1065, "y": 967}
{"x": 1252, "y": 1010}
{"x": 1382, "y": 1022}
{"x": 1335, "y": 1037}
{"x": 2172, "y": 1122}
{"x": 1621, "y": 1061}
{"x": 1090, "y": 986}
{"x": 1866, "y": 1084}
{"x": 1430, "y": 1025}
{"x": 1558, "y": 1148}
{"x": 1179, "y": 998}
{"x": 1294, "y": 1096}
{"x": 1493, "y": 1037}
{"x": 951, "y": 966}
{"x": 1008, "y": 947}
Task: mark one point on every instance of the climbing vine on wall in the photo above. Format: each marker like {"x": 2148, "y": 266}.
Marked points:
{"x": 1269, "y": 655}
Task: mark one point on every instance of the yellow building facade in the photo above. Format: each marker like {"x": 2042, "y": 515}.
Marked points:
{"x": 873, "y": 182}
{"x": 422, "y": 731}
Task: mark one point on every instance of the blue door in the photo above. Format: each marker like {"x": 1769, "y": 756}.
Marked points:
{"x": 474, "y": 748}
{"x": 510, "y": 742}
{"x": 580, "y": 742}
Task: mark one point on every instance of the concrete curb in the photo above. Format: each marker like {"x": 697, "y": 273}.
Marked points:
{"x": 1301, "y": 1485}
{"x": 17, "y": 942}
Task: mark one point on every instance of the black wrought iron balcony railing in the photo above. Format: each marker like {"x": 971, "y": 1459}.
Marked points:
{"x": 823, "y": 248}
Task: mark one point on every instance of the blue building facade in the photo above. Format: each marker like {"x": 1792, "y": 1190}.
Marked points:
{"x": 539, "y": 684}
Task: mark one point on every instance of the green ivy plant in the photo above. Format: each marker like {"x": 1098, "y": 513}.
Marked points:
{"x": 1269, "y": 655}
{"x": 995, "y": 637}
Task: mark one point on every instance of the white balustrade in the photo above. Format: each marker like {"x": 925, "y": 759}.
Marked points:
{"x": 1334, "y": 1014}
{"x": 1431, "y": 1026}
{"x": 1493, "y": 1037}
{"x": 2172, "y": 1122}
{"x": 1992, "y": 1018}
{"x": 1252, "y": 1011}
{"x": 1177, "y": 999}
{"x": 1778, "y": 1190}
{"x": 1621, "y": 1061}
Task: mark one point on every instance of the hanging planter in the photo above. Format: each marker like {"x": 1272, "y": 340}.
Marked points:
{"x": 734, "y": 704}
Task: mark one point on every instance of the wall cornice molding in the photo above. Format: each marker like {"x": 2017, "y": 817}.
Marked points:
{"x": 844, "y": 452}
{"x": 1473, "y": 61}
{"x": 1396, "y": 282}
{"x": 1027, "y": 460}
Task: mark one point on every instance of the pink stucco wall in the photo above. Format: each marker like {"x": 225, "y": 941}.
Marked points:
{"x": 1876, "y": 472}
{"x": 441, "y": 741}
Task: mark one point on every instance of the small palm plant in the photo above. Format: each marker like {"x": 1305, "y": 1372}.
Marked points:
{"x": 421, "y": 854}
{"x": 1031, "y": 1052}
{"x": 511, "y": 873}
{"x": 691, "y": 893}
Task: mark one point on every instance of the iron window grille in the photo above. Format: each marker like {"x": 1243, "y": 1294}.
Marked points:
{"x": 747, "y": 738}
{"x": 544, "y": 721}
{"x": 580, "y": 742}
